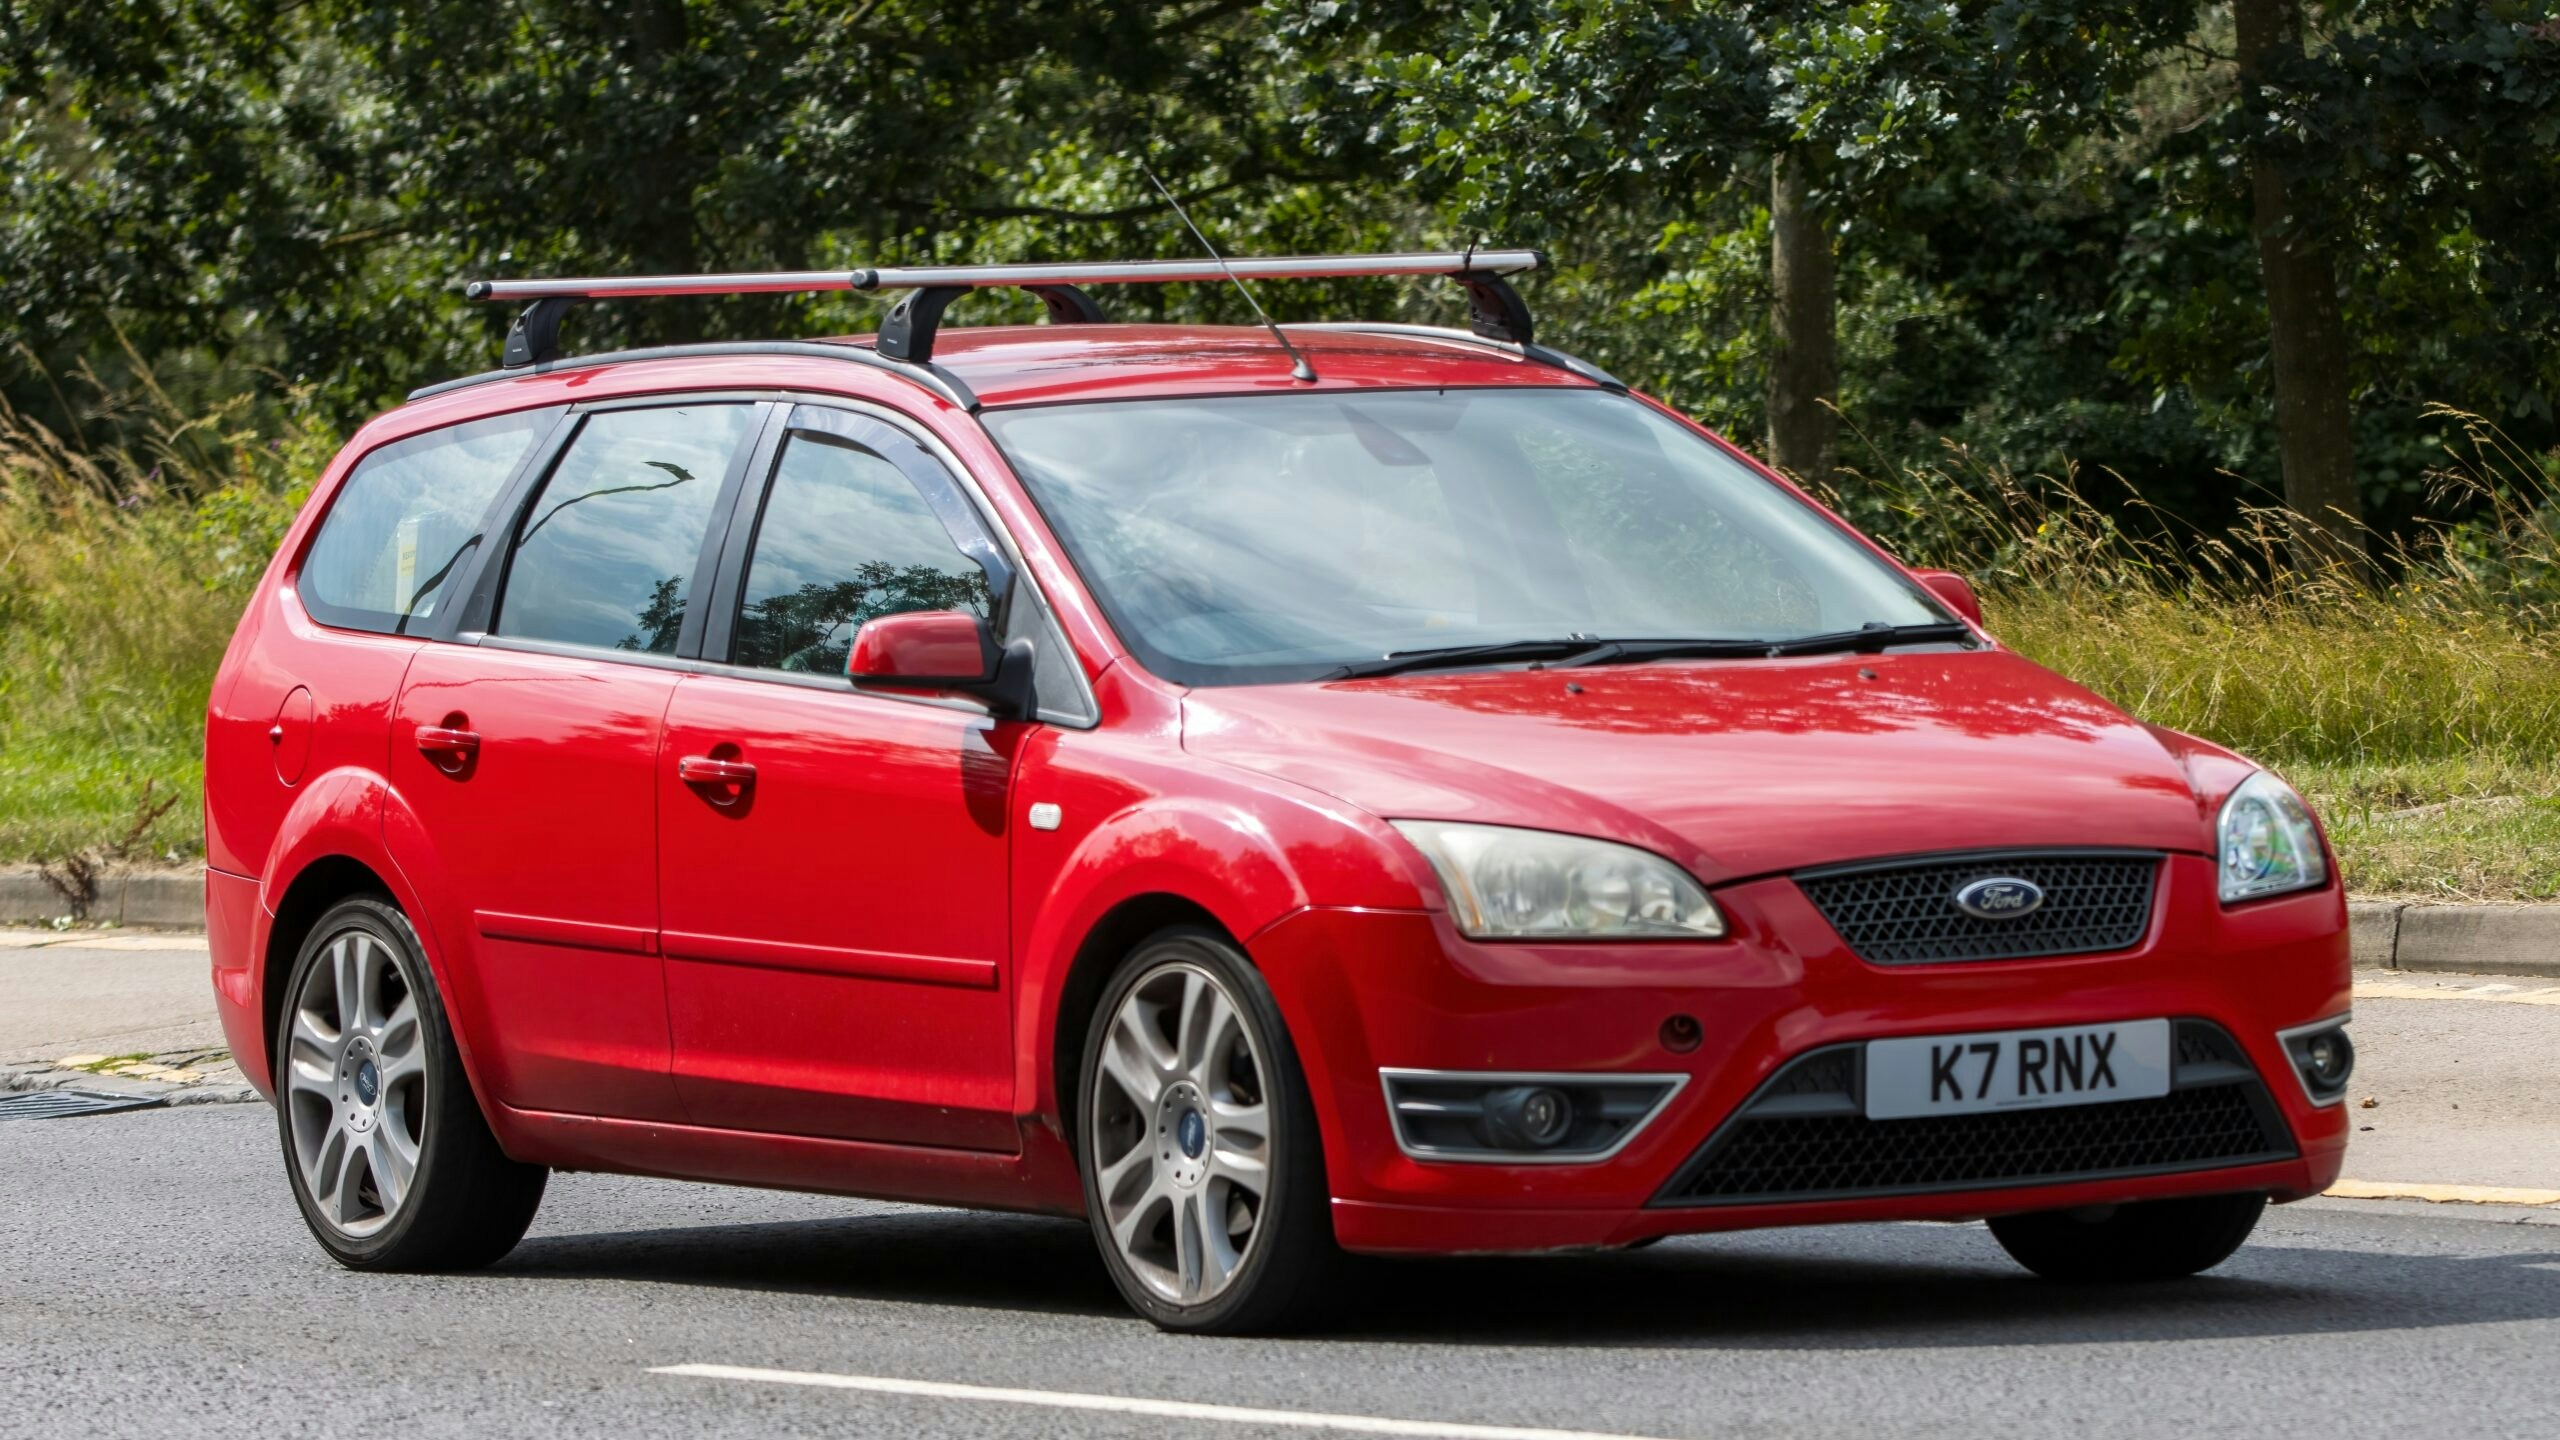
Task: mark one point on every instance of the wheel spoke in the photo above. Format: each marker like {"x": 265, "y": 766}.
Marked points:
{"x": 1241, "y": 1153}
{"x": 1187, "y": 1244}
{"x": 310, "y": 1032}
{"x": 1115, "y": 1177}
{"x": 1129, "y": 1226}
{"x": 328, "y": 1168}
{"x": 391, "y": 1166}
{"x": 401, "y": 1056}
{"x": 312, "y": 1072}
{"x": 350, "y": 1199}
{"x": 346, "y": 963}
{"x": 1127, "y": 1059}
{"x": 1218, "y": 1248}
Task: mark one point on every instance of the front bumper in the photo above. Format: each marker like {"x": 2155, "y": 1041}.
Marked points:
{"x": 1364, "y": 990}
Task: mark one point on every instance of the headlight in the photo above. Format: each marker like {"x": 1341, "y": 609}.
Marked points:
{"x": 2268, "y": 843}
{"x": 1506, "y": 884}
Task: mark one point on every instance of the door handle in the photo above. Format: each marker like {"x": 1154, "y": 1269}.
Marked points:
{"x": 704, "y": 770}
{"x": 442, "y": 740}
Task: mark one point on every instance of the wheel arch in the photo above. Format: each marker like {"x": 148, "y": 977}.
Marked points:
{"x": 1105, "y": 944}
{"x": 313, "y": 892}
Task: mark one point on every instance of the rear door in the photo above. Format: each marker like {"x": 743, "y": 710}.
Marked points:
{"x": 528, "y": 750}
{"x": 835, "y": 925}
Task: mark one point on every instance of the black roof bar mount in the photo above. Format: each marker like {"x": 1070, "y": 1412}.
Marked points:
{"x": 1496, "y": 310}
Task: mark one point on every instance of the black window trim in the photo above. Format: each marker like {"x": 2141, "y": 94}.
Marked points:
{"x": 968, "y": 531}
{"x": 467, "y": 622}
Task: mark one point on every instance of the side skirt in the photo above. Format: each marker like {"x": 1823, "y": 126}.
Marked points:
{"x": 1039, "y": 1179}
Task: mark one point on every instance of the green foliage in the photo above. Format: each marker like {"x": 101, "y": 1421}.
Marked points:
{"x": 116, "y": 599}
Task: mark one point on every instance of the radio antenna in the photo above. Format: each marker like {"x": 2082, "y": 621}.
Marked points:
{"x": 1299, "y": 369}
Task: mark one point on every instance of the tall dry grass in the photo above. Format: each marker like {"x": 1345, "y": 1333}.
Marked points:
{"x": 2447, "y": 645}
{"x": 123, "y": 567}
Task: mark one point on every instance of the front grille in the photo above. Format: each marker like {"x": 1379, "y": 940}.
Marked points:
{"x": 1904, "y": 912}
{"x": 1800, "y": 1140}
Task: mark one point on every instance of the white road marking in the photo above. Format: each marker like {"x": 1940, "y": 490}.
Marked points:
{"x": 1128, "y": 1405}
{"x": 2405, "y": 990}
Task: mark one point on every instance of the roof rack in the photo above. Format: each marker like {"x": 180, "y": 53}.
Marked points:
{"x": 1496, "y": 311}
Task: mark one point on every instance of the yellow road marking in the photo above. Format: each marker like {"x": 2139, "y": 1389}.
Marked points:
{"x": 2443, "y": 1194}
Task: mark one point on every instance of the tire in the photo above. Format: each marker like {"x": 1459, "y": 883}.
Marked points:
{"x": 371, "y": 1087}
{"x": 1186, "y": 1152}
{"x": 2147, "y": 1240}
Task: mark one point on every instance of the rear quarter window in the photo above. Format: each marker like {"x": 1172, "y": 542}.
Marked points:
{"x": 403, "y": 523}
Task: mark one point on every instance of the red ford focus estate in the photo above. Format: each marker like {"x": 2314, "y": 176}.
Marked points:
{"x": 1370, "y": 789}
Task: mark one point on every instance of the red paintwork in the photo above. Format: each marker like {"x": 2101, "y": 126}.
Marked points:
{"x": 924, "y": 648}
{"x": 1956, "y": 591}
{"x": 710, "y": 926}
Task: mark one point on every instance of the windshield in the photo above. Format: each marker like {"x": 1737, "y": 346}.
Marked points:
{"x": 1288, "y": 537}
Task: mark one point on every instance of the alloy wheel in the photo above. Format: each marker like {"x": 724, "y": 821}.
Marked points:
{"x": 1181, "y": 1133}
{"x": 356, "y": 1083}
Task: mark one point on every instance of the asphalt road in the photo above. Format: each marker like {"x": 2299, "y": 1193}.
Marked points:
{"x": 155, "y": 1280}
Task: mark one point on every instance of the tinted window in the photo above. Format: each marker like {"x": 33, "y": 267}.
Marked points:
{"x": 845, "y": 537}
{"x": 404, "y": 521}
{"x": 606, "y": 555}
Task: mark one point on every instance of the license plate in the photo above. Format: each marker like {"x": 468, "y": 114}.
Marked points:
{"x": 2016, "y": 1069}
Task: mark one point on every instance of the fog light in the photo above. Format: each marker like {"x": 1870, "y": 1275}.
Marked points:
{"x": 1516, "y": 1117}
{"x": 2324, "y": 1057}
{"x": 1527, "y": 1117}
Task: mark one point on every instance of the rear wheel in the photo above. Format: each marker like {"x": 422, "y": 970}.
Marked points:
{"x": 2146, "y": 1240}
{"x": 384, "y": 1146}
{"x": 1203, "y": 1172}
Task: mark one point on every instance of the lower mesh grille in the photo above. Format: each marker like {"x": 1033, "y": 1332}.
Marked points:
{"x": 1790, "y": 1142}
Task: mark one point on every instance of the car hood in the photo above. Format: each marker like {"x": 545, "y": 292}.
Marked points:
{"x": 1735, "y": 768}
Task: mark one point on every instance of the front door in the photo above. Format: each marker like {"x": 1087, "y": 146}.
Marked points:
{"x": 832, "y": 863}
{"x": 530, "y": 758}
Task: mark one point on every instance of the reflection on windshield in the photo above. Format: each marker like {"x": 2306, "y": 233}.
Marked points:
{"x": 1281, "y": 537}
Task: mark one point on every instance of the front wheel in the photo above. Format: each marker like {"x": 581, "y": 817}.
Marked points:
{"x": 1203, "y": 1172}
{"x": 2146, "y": 1240}
{"x": 384, "y": 1146}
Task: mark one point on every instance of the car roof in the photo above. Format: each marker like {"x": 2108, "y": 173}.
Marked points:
{"x": 991, "y": 366}
{"x": 1047, "y": 364}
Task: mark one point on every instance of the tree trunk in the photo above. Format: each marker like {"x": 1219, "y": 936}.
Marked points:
{"x": 2314, "y": 427}
{"x": 1804, "y": 358}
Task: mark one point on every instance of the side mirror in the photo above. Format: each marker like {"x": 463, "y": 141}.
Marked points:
{"x": 943, "y": 650}
{"x": 1955, "y": 591}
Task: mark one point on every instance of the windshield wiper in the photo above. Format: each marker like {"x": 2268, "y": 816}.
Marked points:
{"x": 1397, "y": 662}
{"x": 1565, "y": 654}
{"x": 1873, "y": 638}
{"x": 1868, "y": 639}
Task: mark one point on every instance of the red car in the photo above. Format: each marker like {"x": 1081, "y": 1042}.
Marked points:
{"x": 1367, "y": 788}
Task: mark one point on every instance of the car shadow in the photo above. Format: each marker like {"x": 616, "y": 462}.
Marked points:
{"x": 1861, "y": 1287}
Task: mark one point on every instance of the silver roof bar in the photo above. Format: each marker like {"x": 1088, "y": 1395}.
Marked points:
{"x": 976, "y": 277}
{"x": 906, "y": 333}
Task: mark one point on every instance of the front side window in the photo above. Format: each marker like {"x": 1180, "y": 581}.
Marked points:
{"x": 1282, "y": 537}
{"x": 406, "y": 518}
{"x": 605, "y": 557}
{"x": 845, "y": 537}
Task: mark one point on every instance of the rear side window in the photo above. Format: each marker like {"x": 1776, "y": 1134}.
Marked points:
{"x": 605, "y": 557}
{"x": 403, "y": 523}
{"x": 844, "y": 539}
